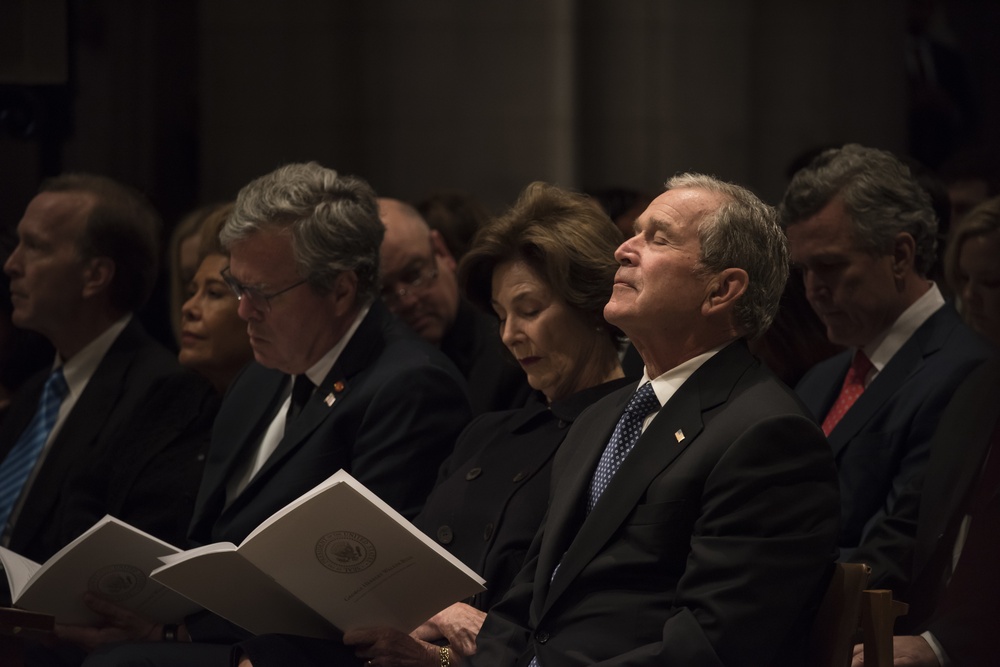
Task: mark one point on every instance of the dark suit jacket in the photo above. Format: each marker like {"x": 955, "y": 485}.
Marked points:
{"x": 492, "y": 491}
{"x": 489, "y": 501}
{"x": 150, "y": 477}
{"x": 882, "y": 443}
{"x": 708, "y": 547}
{"x": 473, "y": 344}
{"x": 912, "y": 550}
{"x": 133, "y": 370}
{"x": 399, "y": 405}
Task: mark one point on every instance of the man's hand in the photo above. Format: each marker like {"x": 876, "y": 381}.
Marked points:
{"x": 118, "y": 625}
{"x": 907, "y": 651}
{"x": 385, "y": 647}
{"x": 458, "y": 624}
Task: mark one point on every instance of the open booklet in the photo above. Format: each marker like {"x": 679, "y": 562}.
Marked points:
{"x": 334, "y": 559}
{"x": 112, "y": 560}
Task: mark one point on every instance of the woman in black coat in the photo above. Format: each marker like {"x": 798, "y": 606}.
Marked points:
{"x": 546, "y": 269}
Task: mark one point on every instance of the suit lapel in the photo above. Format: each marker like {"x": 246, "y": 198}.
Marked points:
{"x": 925, "y": 341}
{"x": 365, "y": 344}
{"x": 676, "y": 427}
{"x": 563, "y": 521}
{"x": 264, "y": 400}
{"x": 76, "y": 439}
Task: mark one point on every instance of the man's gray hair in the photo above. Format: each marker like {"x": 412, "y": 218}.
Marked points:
{"x": 880, "y": 195}
{"x": 743, "y": 233}
{"x": 333, "y": 220}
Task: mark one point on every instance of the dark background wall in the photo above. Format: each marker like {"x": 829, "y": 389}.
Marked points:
{"x": 190, "y": 99}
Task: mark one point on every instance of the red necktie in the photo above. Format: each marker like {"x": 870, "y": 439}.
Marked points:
{"x": 854, "y": 386}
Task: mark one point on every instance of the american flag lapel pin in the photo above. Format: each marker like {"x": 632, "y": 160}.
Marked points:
{"x": 331, "y": 398}
{"x": 679, "y": 435}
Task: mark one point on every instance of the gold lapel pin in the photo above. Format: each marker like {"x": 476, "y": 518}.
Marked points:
{"x": 679, "y": 435}
{"x": 338, "y": 387}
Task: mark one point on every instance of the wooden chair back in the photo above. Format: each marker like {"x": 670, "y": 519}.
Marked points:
{"x": 836, "y": 626}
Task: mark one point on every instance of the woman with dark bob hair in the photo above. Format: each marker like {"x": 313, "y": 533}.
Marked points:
{"x": 546, "y": 268}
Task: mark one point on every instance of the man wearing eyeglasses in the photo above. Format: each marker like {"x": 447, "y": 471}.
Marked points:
{"x": 420, "y": 286}
{"x": 338, "y": 383}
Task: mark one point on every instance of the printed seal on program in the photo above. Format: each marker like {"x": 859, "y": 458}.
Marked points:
{"x": 117, "y": 582}
{"x": 345, "y": 551}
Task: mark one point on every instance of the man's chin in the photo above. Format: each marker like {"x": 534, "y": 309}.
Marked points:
{"x": 616, "y": 313}
{"x": 430, "y": 330}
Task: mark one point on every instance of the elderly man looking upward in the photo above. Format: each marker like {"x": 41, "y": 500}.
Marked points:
{"x": 337, "y": 383}
{"x": 862, "y": 232}
{"x": 693, "y": 518}
{"x": 420, "y": 286}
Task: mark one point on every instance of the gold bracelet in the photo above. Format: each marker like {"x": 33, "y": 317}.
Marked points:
{"x": 444, "y": 653}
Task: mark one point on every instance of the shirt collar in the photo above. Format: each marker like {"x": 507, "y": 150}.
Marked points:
{"x": 887, "y": 344}
{"x": 79, "y": 369}
{"x": 667, "y": 384}
{"x": 318, "y": 371}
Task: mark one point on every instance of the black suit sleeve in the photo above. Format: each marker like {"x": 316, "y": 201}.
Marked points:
{"x": 413, "y": 435}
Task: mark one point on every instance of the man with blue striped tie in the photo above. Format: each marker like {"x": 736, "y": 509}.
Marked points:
{"x": 86, "y": 259}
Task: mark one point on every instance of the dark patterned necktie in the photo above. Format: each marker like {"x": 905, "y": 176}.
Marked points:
{"x": 623, "y": 439}
{"x": 302, "y": 389}
{"x": 626, "y": 434}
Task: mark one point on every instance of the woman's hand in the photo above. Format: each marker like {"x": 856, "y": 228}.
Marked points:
{"x": 458, "y": 624}
{"x": 118, "y": 625}
{"x": 385, "y": 647}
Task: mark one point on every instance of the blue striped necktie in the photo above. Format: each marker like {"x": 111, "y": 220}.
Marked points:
{"x": 15, "y": 469}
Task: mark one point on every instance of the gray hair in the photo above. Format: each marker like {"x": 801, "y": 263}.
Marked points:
{"x": 333, "y": 220}
{"x": 880, "y": 195}
{"x": 743, "y": 233}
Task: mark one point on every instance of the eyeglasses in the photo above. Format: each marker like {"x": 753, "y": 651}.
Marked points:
{"x": 412, "y": 281}
{"x": 255, "y": 297}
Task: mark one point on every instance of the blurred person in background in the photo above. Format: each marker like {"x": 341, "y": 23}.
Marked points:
{"x": 213, "y": 338}
{"x": 972, "y": 268}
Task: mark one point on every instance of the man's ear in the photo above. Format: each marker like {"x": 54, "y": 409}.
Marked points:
{"x": 904, "y": 253}
{"x": 344, "y": 292}
{"x": 724, "y": 290}
{"x": 441, "y": 249}
{"x": 98, "y": 273}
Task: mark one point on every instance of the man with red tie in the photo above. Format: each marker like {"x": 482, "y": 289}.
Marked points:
{"x": 862, "y": 233}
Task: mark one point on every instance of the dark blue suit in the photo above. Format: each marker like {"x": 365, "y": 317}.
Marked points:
{"x": 139, "y": 410}
{"x": 882, "y": 443}
{"x": 399, "y": 406}
{"x": 396, "y": 418}
{"x": 708, "y": 547}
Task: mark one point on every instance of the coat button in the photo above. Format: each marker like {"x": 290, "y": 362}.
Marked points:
{"x": 488, "y": 532}
{"x": 445, "y": 535}
{"x": 563, "y": 423}
{"x": 473, "y": 473}
{"x": 520, "y": 476}
{"x": 541, "y": 636}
